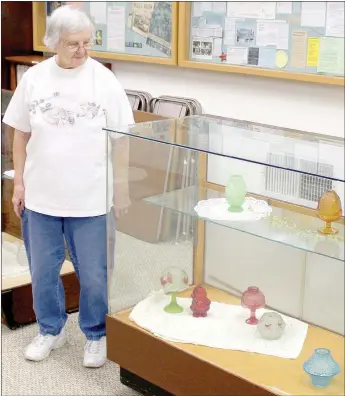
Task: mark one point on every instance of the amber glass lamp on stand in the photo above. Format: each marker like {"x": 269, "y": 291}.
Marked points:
{"x": 328, "y": 210}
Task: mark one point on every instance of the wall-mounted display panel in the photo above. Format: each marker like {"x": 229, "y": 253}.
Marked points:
{"x": 290, "y": 40}
{"x": 134, "y": 31}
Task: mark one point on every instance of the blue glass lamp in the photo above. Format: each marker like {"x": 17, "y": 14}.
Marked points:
{"x": 321, "y": 367}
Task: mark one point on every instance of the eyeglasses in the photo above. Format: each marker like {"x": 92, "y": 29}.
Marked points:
{"x": 74, "y": 47}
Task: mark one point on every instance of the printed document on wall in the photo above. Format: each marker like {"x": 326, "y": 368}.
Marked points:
{"x": 229, "y": 31}
{"x": 299, "y": 48}
{"x": 116, "y": 28}
{"x": 284, "y": 7}
{"x": 237, "y": 56}
{"x": 98, "y": 11}
{"x": 313, "y": 51}
{"x": 217, "y": 46}
{"x": 331, "y": 58}
{"x": 273, "y": 33}
{"x": 245, "y": 9}
{"x": 335, "y": 19}
{"x": 197, "y": 9}
{"x": 313, "y": 14}
{"x": 219, "y": 7}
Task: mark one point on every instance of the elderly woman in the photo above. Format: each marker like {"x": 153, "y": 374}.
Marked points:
{"x": 58, "y": 111}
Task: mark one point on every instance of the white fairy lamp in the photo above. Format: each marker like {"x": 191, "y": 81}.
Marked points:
{"x": 174, "y": 280}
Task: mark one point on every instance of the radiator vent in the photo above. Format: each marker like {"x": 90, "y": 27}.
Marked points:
{"x": 294, "y": 184}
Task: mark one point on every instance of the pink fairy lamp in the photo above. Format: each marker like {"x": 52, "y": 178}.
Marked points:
{"x": 253, "y": 299}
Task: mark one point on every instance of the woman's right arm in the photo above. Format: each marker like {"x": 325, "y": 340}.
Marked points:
{"x": 20, "y": 142}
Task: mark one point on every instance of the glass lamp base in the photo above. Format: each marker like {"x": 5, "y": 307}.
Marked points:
{"x": 252, "y": 321}
{"x": 319, "y": 381}
{"x": 235, "y": 209}
{"x": 327, "y": 230}
{"x": 173, "y": 307}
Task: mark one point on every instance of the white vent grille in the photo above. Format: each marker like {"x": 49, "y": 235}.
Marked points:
{"x": 295, "y": 184}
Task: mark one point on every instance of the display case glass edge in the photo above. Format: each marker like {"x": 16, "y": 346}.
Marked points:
{"x": 199, "y": 248}
{"x": 39, "y": 26}
{"x": 185, "y": 9}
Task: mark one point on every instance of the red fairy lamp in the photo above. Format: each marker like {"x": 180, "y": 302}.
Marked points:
{"x": 223, "y": 56}
{"x": 201, "y": 304}
{"x": 174, "y": 280}
{"x": 253, "y": 299}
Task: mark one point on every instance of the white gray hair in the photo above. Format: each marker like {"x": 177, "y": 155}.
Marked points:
{"x": 67, "y": 18}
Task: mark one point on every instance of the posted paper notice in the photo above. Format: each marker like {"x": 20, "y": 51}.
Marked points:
{"x": 284, "y": 7}
{"x": 98, "y": 11}
{"x": 219, "y": 7}
{"x": 313, "y": 13}
{"x": 257, "y": 10}
{"x": 274, "y": 33}
{"x": 237, "y": 56}
{"x": 313, "y": 51}
{"x": 335, "y": 19}
{"x": 331, "y": 58}
{"x": 230, "y": 31}
{"x": 299, "y": 48}
{"x": 116, "y": 28}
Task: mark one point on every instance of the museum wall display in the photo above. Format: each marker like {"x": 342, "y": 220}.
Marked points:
{"x": 133, "y": 31}
{"x": 295, "y": 40}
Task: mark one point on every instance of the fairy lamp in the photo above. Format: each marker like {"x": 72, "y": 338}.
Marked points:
{"x": 328, "y": 210}
{"x": 253, "y": 299}
{"x": 174, "y": 280}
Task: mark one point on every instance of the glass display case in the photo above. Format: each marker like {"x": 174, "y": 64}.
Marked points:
{"x": 226, "y": 257}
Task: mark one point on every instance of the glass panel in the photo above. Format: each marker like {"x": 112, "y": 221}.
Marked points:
{"x": 159, "y": 229}
{"x": 283, "y": 226}
{"x": 301, "y": 152}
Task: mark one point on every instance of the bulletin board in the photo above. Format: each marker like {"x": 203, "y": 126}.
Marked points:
{"x": 137, "y": 31}
{"x": 291, "y": 40}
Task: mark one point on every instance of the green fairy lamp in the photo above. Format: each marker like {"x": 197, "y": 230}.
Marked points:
{"x": 235, "y": 192}
{"x": 174, "y": 280}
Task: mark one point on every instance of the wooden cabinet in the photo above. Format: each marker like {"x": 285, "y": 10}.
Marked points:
{"x": 16, "y": 34}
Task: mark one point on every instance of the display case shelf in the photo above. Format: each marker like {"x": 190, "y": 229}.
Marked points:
{"x": 282, "y": 226}
{"x": 285, "y": 378}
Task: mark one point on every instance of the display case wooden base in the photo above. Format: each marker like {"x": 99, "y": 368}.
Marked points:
{"x": 185, "y": 369}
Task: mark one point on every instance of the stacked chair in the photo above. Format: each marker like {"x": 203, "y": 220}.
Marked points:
{"x": 139, "y": 100}
{"x": 175, "y": 106}
{"x": 172, "y": 169}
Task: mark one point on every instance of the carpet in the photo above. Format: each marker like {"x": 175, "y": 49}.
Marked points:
{"x": 61, "y": 373}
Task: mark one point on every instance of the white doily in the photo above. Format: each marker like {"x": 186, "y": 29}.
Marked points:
{"x": 217, "y": 209}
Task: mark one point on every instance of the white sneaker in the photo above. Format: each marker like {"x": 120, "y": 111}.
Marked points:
{"x": 95, "y": 353}
{"x": 42, "y": 345}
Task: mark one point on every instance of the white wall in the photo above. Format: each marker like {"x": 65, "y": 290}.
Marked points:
{"x": 309, "y": 107}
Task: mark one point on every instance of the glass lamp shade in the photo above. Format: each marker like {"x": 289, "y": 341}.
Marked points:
{"x": 235, "y": 192}
{"x": 328, "y": 210}
{"x": 321, "y": 367}
{"x": 174, "y": 280}
{"x": 271, "y": 326}
{"x": 253, "y": 299}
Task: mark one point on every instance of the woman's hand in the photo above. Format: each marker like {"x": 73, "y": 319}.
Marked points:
{"x": 18, "y": 199}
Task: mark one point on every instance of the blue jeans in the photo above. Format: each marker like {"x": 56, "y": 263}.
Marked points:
{"x": 86, "y": 240}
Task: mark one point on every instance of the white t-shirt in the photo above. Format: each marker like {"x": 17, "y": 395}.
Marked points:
{"x": 65, "y": 110}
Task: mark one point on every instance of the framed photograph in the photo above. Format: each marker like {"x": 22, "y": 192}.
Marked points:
{"x": 99, "y": 37}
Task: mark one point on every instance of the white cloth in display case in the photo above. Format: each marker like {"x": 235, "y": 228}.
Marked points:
{"x": 217, "y": 209}
{"x": 223, "y": 328}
